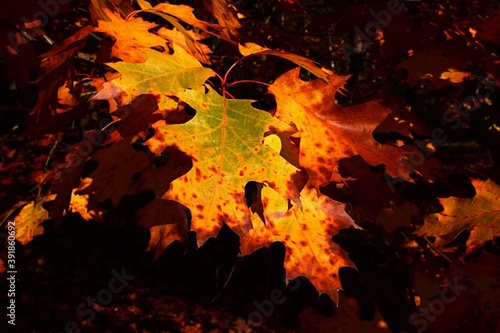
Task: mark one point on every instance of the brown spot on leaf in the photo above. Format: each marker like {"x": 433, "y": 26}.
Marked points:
{"x": 323, "y": 170}
{"x": 198, "y": 174}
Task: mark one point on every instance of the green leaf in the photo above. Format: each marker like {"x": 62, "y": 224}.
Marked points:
{"x": 225, "y": 141}
{"x": 161, "y": 75}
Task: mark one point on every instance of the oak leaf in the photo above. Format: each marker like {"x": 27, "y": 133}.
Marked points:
{"x": 227, "y": 16}
{"x": 329, "y": 132}
{"x": 160, "y": 75}
{"x": 249, "y": 49}
{"x": 189, "y": 41}
{"x": 114, "y": 174}
{"x": 225, "y": 141}
{"x": 131, "y": 36}
{"x": 185, "y": 13}
{"x": 98, "y": 9}
{"x": 480, "y": 215}
{"x": 307, "y": 235}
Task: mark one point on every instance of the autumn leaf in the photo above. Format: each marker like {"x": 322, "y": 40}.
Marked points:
{"x": 371, "y": 200}
{"x": 56, "y": 70}
{"x": 68, "y": 176}
{"x": 225, "y": 141}
{"x": 114, "y": 174}
{"x": 190, "y": 43}
{"x": 135, "y": 118}
{"x": 79, "y": 204}
{"x": 185, "y": 13}
{"x": 307, "y": 235}
{"x": 99, "y": 9}
{"x": 227, "y": 16}
{"x": 346, "y": 319}
{"x": 329, "y": 132}
{"x": 166, "y": 220}
{"x": 480, "y": 215}
{"x": 249, "y": 49}
{"x": 131, "y": 36}
{"x": 161, "y": 75}
{"x": 30, "y": 218}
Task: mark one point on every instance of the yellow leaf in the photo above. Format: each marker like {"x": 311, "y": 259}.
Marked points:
{"x": 455, "y": 76}
{"x": 79, "y": 204}
{"x": 30, "y": 218}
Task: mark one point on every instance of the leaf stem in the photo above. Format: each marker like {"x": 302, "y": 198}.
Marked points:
{"x": 437, "y": 250}
{"x": 247, "y": 81}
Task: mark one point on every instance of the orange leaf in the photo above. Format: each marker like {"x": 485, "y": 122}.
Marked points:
{"x": 307, "y": 235}
{"x": 329, "y": 132}
{"x": 130, "y": 35}
{"x": 253, "y": 49}
{"x": 480, "y": 215}
{"x": 226, "y": 15}
{"x": 185, "y": 13}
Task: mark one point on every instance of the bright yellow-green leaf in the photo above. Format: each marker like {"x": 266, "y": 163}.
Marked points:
{"x": 225, "y": 141}
{"x": 162, "y": 74}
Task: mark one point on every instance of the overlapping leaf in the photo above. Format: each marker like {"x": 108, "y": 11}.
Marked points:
{"x": 117, "y": 166}
{"x": 480, "y": 215}
{"x": 307, "y": 235}
{"x": 225, "y": 141}
{"x": 185, "y": 13}
{"x": 329, "y": 132}
{"x": 226, "y": 15}
{"x": 161, "y": 75}
{"x": 253, "y": 49}
{"x": 131, "y": 36}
